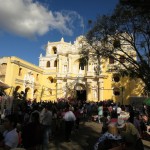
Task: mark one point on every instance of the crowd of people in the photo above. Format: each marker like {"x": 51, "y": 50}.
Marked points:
{"x": 123, "y": 127}
{"x": 33, "y": 125}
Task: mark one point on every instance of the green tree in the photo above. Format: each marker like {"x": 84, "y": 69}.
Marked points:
{"x": 125, "y": 36}
{"x": 141, "y": 5}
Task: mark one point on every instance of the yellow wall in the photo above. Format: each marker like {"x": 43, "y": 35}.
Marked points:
{"x": 61, "y": 81}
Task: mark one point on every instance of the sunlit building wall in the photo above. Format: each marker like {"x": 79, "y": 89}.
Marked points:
{"x": 60, "y": 75}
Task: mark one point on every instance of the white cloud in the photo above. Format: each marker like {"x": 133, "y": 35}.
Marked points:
{"x": 29, "y": 18}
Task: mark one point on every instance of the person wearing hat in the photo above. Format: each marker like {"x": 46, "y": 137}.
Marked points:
{"x": 105, "y": 141}
{"x": 130, "y": 135}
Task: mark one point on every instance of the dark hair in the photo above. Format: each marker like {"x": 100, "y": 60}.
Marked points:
{"x": 1, "y": 94}
{"x": 1, "y": 136}
{"x": 67, "y": 106}
{"x": 113, "y": 114}
{"x": 12, "y": 119}
{"x": 35, "y": 117}
{"x": 35, "y": 107}
{"x": 105, "y": 114}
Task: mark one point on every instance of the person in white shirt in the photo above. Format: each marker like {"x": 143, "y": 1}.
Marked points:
{"x": 69, "y": 118}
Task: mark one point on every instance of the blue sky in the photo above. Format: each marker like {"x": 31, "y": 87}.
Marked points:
{"x": 27, "y": 25}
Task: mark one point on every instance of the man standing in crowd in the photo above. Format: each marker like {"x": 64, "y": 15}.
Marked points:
{"x": 130, "y": 135}
{"x": 69, "y": 118}
{"x": 46, "y": 120}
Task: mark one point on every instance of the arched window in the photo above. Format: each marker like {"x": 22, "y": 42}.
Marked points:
{"x": 111, "y": 60}
{"x": 54, "y": 50}
{"x": 50, "y": 91}
{"x": 116, "y": 91}
{"x": 48, "y": 64}
{"x": 52, "y": 80}
{"x": 116, "y": 78}
{"x": 20, "y": 72}
{"x": 17, "y": 88}
{"x": 81, "y": 65}
{"x": 35, "y": 91}
{"x": 55, "y": 63}
{"x": 27, "y": 90}
{"x": 4, "y": 64}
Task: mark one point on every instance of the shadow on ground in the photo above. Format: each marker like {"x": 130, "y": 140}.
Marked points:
{"x": 83, "y": 139}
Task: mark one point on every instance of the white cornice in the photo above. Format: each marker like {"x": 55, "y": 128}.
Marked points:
{"x": 26, "y": 66}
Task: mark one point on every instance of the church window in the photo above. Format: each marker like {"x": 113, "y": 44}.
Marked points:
{"x": 116, "y": 91}
{"x": 20, "y": 72}
{"x": 50, "y": 91}
{"x": 65, "y": 68}
{"x": 55, "y": 63}
{"x": 54, "y": 50}
{"x": 4, "y": 64}
{"x": 52, "y": 80}
{"x": 116, "y": 78}
{"x": 48, "y": 64}
{"x": 81, "y": 66}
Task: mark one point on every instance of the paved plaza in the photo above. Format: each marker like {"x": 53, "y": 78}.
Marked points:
{"x": 84, "y": 139}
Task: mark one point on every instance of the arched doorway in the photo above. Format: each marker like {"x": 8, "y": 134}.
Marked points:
{"x": 27, "y": 93}
{"x": 17, "y": 88}
{"x": 35, "y": 94}
{"x": 80, "y": 92}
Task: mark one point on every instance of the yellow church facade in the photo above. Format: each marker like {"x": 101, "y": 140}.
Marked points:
{"x": 60, "y": 75}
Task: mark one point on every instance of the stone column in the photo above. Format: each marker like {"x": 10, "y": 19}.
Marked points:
{"x": 89, "y": 68}
{"x": 59, "y": 64}
{"x": 32, "y": 91}
{"x": 69, "y": 64}
{"x": 88, "y": 91}
{"x": 100, "y": 90}
{"x": 58, "y": 87}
